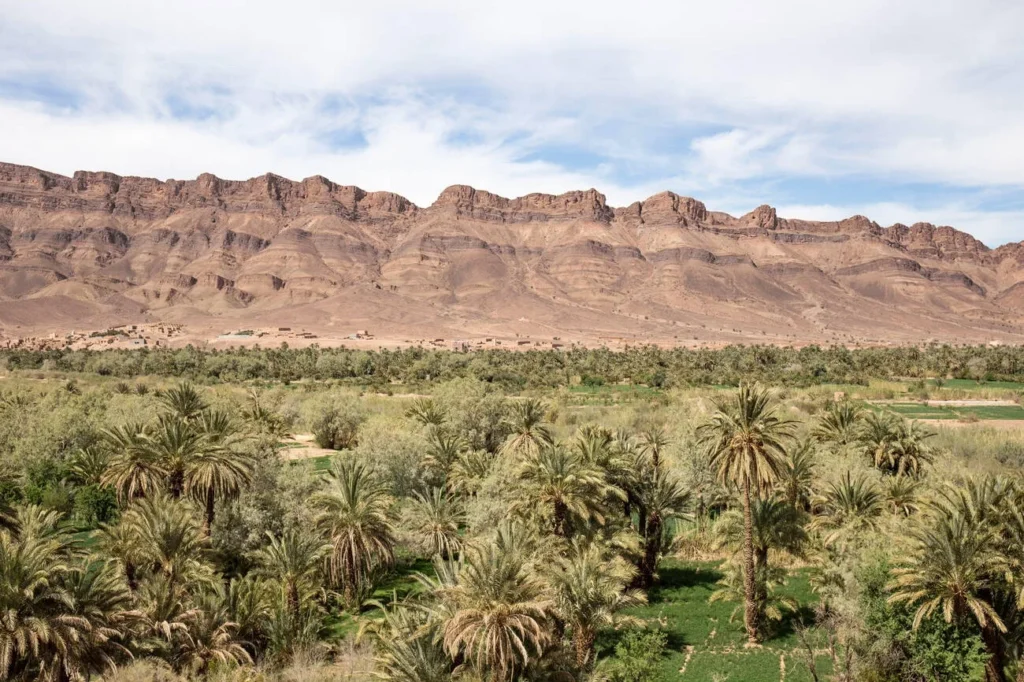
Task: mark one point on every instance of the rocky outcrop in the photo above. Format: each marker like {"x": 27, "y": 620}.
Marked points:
{"x": 271, "y": 242}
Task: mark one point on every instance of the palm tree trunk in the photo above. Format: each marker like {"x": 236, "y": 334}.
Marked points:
{"x": 583, "y": 643}
{"x": 994, "y": 668}
{"x": 176, "y": 483}
{"x": 293, "y": 600}
{"x": 210, "y": 501}
{"x": 652, "y": 548}
{"x": 562, "y": 520}
{"x": 749, "y": 582}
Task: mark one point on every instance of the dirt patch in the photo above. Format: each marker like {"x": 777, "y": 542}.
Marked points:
{"x": 303, "y": 446}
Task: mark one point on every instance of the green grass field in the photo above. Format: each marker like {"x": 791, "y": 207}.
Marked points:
{"x": 981, "y": 412}
{"x": 704, "y": 643}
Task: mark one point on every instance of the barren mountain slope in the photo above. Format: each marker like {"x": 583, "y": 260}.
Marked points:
{"x": 97, "y": 248}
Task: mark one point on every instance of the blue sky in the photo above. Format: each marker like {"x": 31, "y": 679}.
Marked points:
{"x": 904, "y": 112}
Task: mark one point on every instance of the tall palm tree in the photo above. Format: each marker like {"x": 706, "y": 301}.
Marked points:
{"x": 659, "y": 501}
{"x": 589, "y": 587}
{"x": 529, "y": 432}
{"x": 846, "y": 508}
{"x": 183, "y": 401}
{"x": 500, "y": 619}
{"x": 746, "y": 439}
{"x": 133, "y": 469}
{"x": 910, "y": 452}
{"x": 952, "y": 569}
{"x": 88, "y": 465}
{"x": 175, "y": 443}
{"x": 355, "y": 520}
{"x": 435, "y": 518}
{"x": 293, "y": 560}
{"x": 469, "y": 471}
{"x": 214, "y": 473}
{"x": 559, "y": 480}
{"x": 839, "y": 423}
{"x": 121, "y": 542}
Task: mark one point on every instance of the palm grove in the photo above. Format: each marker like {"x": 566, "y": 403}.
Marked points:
{"x": 145, "y": 525}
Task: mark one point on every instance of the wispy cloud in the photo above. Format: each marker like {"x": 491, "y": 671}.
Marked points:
{"x": 909, "y": 111}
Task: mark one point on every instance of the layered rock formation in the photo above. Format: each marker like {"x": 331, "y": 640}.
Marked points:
{"x": 663, "y": 268}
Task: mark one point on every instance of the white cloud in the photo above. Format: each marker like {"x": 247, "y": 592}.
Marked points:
{"x": 924, "y": 91}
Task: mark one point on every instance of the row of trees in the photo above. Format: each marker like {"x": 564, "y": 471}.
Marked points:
{"x": 537, "y": 543}
{"x": 543, "y": 369}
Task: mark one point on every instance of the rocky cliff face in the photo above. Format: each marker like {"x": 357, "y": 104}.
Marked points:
{"x": 212, "y": 246}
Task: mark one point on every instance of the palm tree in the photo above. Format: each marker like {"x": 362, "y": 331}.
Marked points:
{"x": 589, "y": 588}
{"x": 838, "y": 424}
{"x": 171, "y": 542}
{"x": 216, "y": 472}
{"x": 469, "y": 471}
{"x": 558, "y": 479}
{"x": 88, "y": 465}
{"x": 100, "y": 598}
{"x": 528, "y": 431}
{"x": 36, "y": 622}
{"x": 354, "y": 518}
{"x": 443, "y": 451}
{"x": 500, "y": 614}
{"x": 909, "y": 453}
{"x": 846, "y": 508}
{"x": 654, "y": 440}
{"x": 435, "y": 519}
{"x": 212, "y": 636}
{"x": 133, "y": 470}
{"x": 408, "y": 645}
{"x": 121, "y": 542}
{"x": 952, "y": 569}
{"x": 659, "y": 501}
{"x": 427, "y": 412}
{"x": 796, "y": 478}
{"x": 746, "y": 441}
{"x": 249, "y": 604}
{"x": 175, "y": 443}
{"x": 183, "y": 401}
{"x": 293, "y": 560}
{"x": 901, "y": 494}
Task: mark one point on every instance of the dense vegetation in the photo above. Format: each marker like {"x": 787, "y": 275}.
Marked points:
{"x": 544, "y": 368}
{"x": 156, "y": 529}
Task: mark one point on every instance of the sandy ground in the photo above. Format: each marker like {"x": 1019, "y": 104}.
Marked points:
{"x": 302, "y": 446}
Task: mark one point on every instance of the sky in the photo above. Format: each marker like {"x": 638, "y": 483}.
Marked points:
{"x": 901, "y": 111}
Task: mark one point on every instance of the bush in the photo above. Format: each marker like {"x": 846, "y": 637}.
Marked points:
{"x": 637, "y": 656}
{"x": 95, "y": 505}
{"x": 334, "y": 420}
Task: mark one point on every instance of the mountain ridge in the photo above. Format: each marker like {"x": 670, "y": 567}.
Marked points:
{"x": 130, "y": 247}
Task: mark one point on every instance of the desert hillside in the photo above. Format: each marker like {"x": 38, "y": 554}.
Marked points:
{"x": 97, "y": 249}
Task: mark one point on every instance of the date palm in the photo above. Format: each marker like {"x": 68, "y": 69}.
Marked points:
{"x": 170, "y": 540}
{"x": 910, "y": 453}
{"x": 660, "y": 500}
{"x": 469, "y": 471}
{"x": 100, "y": 598}
{"x": 293, "y": 560}
{"x": 35, "y": 607}
{"x": 355, "y": 520}
{"x": 408, "y": 645}
{"x": 901, "y": 495}
{"x": 746, "y": 439}
{"x": 216, "y": 472}
{"x": 529, "y": 433}
{"x": 443, "y": 451}
{"x": 500, "y": 619}
{"x": 952, "y": 569}
{"x": 133, "y": 470}
{"x": 838, "y": 424}
{"x": 796, "y": 479}
{"x": 212, "y": 636}
{"x": 175, "y": 443}
{"x": 88, "y": 465}
{"x": 183, "y": 401}
{"x": 435, "y": 519}
{"x": 589, "y": 588}
{"x": 847, "y": 507}
{"x": 427, "y": 412}
{"x": 560, "y": 481}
